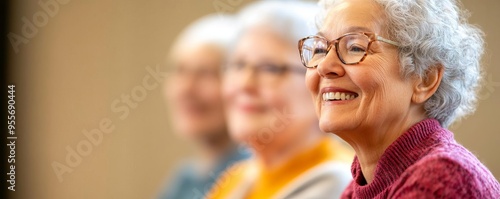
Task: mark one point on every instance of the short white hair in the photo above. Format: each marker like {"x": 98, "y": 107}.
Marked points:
{"x": 291, "y": 20}
{"x": 430, "y": 33}
{"x": 217, "y": 30}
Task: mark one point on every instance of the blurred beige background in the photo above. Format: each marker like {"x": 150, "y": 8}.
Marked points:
{"x": 86, "y": 54}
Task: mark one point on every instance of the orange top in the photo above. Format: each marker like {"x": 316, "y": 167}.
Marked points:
{"x": 267, "y": 182}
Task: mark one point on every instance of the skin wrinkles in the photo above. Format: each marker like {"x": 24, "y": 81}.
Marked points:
{"x": 384, "y": 108}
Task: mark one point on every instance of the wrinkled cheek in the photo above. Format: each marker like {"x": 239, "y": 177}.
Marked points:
{"x": 375, "y": 102}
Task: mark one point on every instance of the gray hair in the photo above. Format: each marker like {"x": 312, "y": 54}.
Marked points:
{"x": 291, "y": 20}
{"x": 433, "y": 33}
{"x": 215, "y": 29}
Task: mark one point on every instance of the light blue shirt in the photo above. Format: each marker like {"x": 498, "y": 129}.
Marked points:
{"x": 189, "y": 184}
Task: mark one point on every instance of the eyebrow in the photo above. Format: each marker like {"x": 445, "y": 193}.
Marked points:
{"x": 349, "y": 30}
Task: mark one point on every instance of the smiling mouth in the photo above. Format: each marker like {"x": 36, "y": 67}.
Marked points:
{"x": 338, "y": 96}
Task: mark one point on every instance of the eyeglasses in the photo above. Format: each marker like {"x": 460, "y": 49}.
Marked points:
{"x": 196, "y": 72}
{"x": 266, "y": 72}
{"x": 351, "y": 48}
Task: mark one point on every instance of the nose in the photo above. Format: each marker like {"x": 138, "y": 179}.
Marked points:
{"x": 331, "y": 66}
{"x": 246, "y": 79}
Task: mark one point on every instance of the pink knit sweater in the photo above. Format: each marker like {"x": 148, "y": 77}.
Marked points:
{"x": 425, "y": 162}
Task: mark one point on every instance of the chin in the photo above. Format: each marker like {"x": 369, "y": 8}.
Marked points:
{"x": 328, "y": 122}
{"x": 248, "y": 134}
{"x": 327, "y": 126}
{"x": 334, "y": 125}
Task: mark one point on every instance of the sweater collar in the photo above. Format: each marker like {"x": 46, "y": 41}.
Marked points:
{"x": 400, "y": 155}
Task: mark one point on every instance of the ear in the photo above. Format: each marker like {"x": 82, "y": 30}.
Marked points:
{"x": 425, "y": 87}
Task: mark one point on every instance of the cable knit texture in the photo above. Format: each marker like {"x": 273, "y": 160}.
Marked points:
{"x": 425, "y": 162}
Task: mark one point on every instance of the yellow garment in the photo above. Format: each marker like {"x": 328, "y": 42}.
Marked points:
{"x": 269, "y": 182}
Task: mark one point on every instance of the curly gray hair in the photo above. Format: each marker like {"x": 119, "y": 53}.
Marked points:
{"x": 433, "y": 33}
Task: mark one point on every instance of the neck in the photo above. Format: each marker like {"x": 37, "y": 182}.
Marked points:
{"x": 370, "y": 143}
{"x": 212, "y": 150}
{"x": 279, "y": 150}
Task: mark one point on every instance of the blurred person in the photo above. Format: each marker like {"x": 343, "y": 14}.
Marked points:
{"x": 193, "y": 93}
{"x": 269, "y": 108}
{"x": 389, "y": 77}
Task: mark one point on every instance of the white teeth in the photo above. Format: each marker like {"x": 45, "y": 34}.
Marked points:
{"x": 330, "y": 96}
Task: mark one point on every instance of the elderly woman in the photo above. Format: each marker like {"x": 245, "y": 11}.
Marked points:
{"x": 388, "y": 77}
{"x": 193, "y": 94}
{"x": 269, "y": 108}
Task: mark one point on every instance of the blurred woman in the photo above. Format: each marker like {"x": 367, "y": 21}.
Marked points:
{"x": 192, "y": 90}
{"x": 388, "y": 77}
{"x": 268, "y": 108}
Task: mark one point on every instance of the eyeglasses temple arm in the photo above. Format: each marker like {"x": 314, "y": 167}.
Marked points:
{"x": 387, "y": 41}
